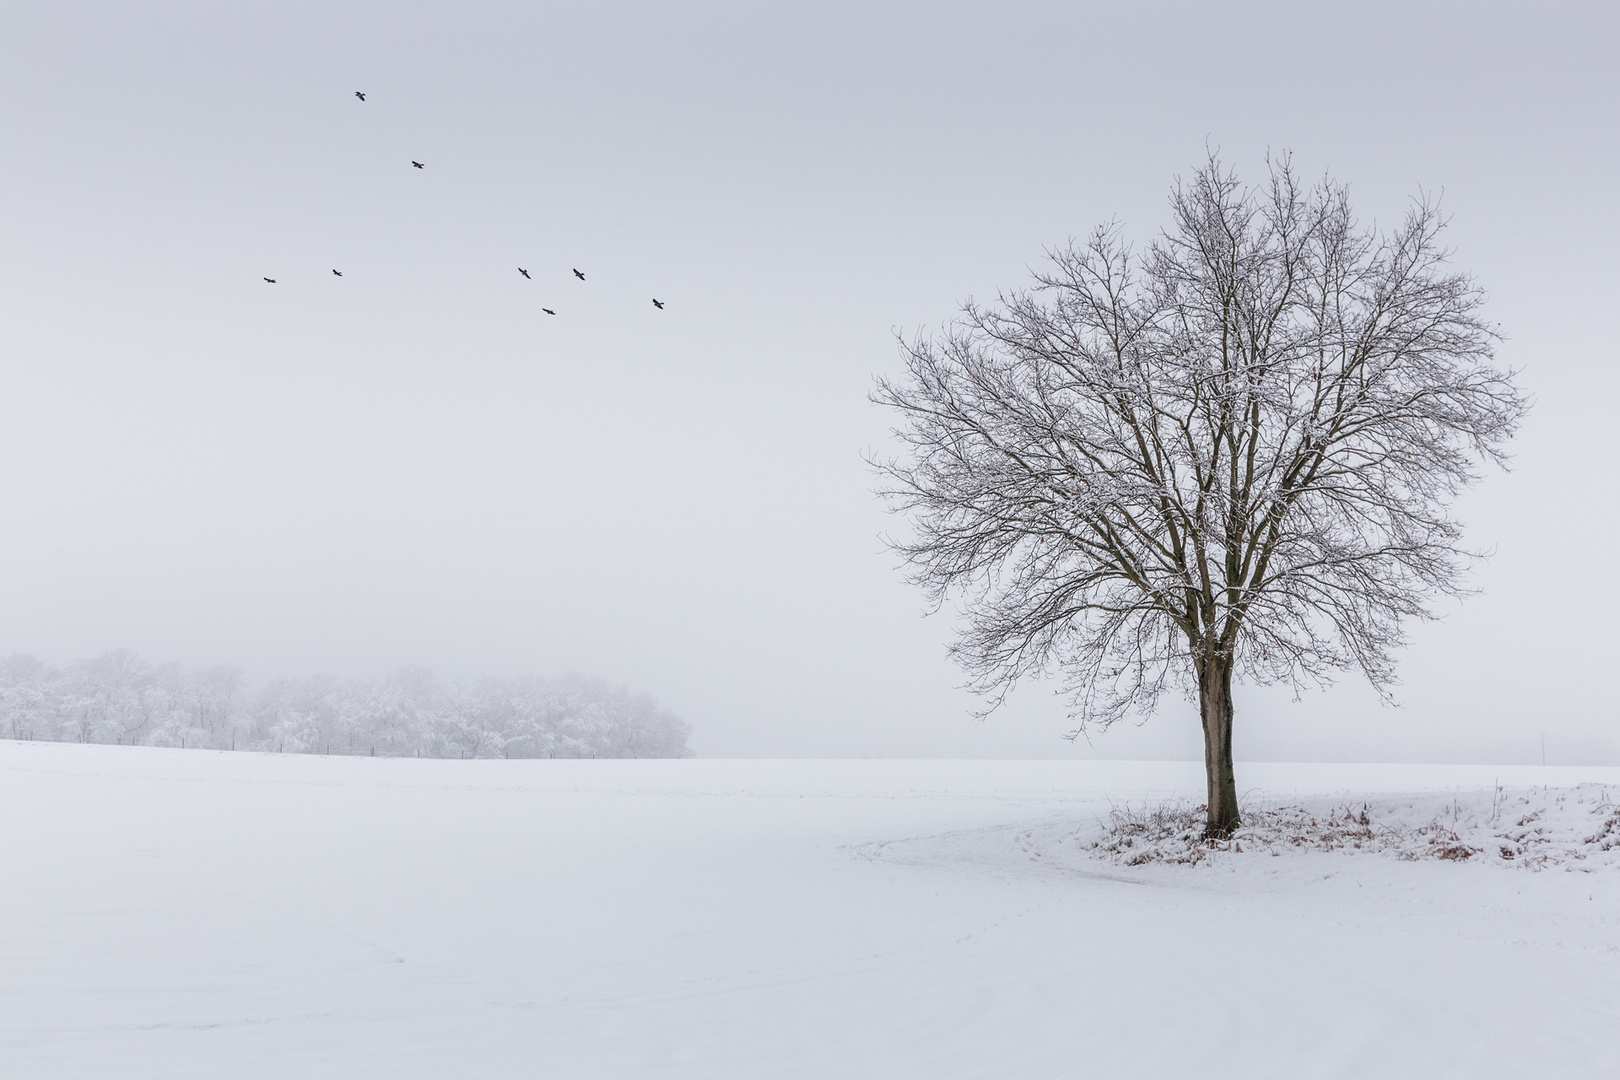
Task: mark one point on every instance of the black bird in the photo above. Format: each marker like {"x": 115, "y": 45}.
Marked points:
{"x": 359, "y": 95}
{"x": 524, "y": 272}
{"x": 657, "y": 303}
{"x": 579, "y": 275}
{"x": 271, "y": 280}
{"x": 548, "y": 311}
{"x": 339, "y": 273}
{"x": 419, "y": 165}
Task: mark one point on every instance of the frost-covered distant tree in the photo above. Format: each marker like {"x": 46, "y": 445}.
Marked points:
{"x": 395, "y": 714}
{"x": 27, "y": 705}
{"x": 119, "y": 698}
{"x": 211, "y": 697}
{"x": 111, "y": 699}
{"x": 296, "y": 716}
{"x": 1231, "y": 453}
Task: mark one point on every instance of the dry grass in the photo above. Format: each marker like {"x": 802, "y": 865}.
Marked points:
{"x": 1513, "y": 829}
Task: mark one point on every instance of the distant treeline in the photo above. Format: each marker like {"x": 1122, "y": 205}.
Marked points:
{"x": 120, "y": 698}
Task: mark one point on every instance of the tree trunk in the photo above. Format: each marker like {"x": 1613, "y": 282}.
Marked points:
{"x": 1215, "y": 703}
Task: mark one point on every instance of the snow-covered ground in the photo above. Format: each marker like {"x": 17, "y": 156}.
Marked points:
{"x": 196, "y": 914}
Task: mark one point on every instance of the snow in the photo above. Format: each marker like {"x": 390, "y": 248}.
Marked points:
{"x": 175, "y": 913}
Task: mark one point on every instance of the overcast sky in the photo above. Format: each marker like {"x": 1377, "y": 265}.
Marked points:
{"x": 414, "y": 464}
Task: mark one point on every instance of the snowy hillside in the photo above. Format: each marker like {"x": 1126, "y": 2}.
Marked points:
{"x": 200, "y": 914}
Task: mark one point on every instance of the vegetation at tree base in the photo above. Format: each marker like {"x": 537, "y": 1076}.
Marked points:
{"x": 1230, "y": 454}
{"x": 119, "y": 698}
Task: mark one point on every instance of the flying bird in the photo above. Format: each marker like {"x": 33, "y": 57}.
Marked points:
{"x": 271, "y": 280}
{"x": 548, "y": 311}
{"x": 579, "y": 275}
{"x": 419, "y": 165}
{"x": 359, "y": 95}
{"x": 657, "y": 303}
{"x": 339, "y": 273}
{"x": 524, "y": 272}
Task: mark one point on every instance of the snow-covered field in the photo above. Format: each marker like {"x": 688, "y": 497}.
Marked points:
{"x": 198, "y": 914}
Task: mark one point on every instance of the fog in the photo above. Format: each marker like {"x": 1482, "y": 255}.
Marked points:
{"x": 414, "y": 465}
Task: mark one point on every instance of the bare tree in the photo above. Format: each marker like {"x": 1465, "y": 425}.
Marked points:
{"x": 1232, "y": 453}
